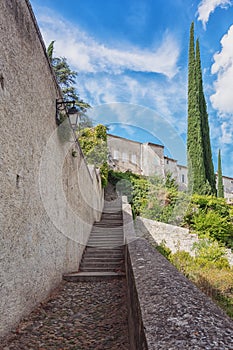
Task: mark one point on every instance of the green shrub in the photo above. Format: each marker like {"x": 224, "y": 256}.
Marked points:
{"x": 163, "y": 249}
{"x": 154, "y": 197}
{"x": 183, "y": 261}
{"x": 131, "y": 185}
{"x": 217, "y": 284}
{"x": 115, "y": 176}
{"x": 212, "y": 224}
{"x": 93, "y": 142}
{"x": 208, "y": 249}
{"x": 207, "y": 203}
{"x": 104, "y": 174}
{"x": 211, "y": 217}
{"x": 170, "y": 182}
{"x": 209, "y": 270}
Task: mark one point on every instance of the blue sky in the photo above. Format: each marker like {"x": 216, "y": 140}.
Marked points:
{"x": 131, "y": 56}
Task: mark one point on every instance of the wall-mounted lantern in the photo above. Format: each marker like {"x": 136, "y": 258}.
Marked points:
{"x": 72, "y": 112}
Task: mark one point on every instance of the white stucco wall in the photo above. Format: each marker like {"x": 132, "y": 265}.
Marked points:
{"x": 49, "y": 199}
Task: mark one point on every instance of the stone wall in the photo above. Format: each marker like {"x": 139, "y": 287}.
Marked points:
{"x": 49, "y": 198}
{"x": 174, "y": 237}
{"x": 171, "y": 313}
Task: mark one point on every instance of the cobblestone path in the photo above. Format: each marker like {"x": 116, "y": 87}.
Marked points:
{"x": 79, "y": 316}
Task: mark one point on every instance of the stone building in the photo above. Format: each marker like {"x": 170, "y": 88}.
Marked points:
{"x": 144, "y": 159}
{"x": 148, "y": 159}
{"x": 228, "y": 187}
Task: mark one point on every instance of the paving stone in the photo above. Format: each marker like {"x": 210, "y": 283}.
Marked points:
{"x": 83, "y": 315}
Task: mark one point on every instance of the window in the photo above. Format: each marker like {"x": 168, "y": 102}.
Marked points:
{"x": 167, "y": 161}
{"x": 182, "y": 178}
{"x": 115, "y": 154}
{"x": 133, "y": 158}
{"x": 125, "y": 157}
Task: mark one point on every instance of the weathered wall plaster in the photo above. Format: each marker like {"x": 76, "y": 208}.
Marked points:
{"x": 49, "y": 199}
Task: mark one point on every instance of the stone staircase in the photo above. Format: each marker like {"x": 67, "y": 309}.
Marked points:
{"x": 103, "y": 256}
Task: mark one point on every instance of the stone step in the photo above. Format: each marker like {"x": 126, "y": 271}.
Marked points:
{"x": 103, "y": 256}
{"x": 101, "y": 265}
{"x": 105, "y": 245}
{"x": 113, "y": 205}
{"x": 105, "y": 222}
{"x": 116, "y": 250}
{"x": 105, "y": 241}
{"x": 92, "y": 276}
{"x": 114, "y": 216}
{"x": 109, "y": 224}
{"x": 107, "y": 230}
{"x": 112, "y": 211}
{"x": 112, "y": 208}
{"x": 109, "y": 219}
{"x": 106, "y": 238}
{"x": 117, "y": 215}
{"x": 102, "y": 259}
{"x": 98, "y": 259}
{"x": 104, "y": 251}
{"x": 102, "y": 245}
{"x": 106, "y": 233}
{"x": 102, "y": 268}
{"x": 107, "y": 227}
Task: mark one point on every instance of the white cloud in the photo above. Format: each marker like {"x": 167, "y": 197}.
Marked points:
{"x": 86, "y": 54}
{"x": 223, "y": 67}
{"x": 168, "y": 99}
{"x": 227, "y": 135}
{"x": 106, "y": 74}
{"x": 206, "y": 7}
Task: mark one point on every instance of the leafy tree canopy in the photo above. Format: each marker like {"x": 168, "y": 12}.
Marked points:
{"x": 93, "y": 142}
{"x": 66, "y": 78}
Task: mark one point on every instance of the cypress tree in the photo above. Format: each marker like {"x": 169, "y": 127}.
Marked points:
{"x": 208, "y": 163}
{"x": 195, "y": 152}
{"x": 220, "y": 181}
